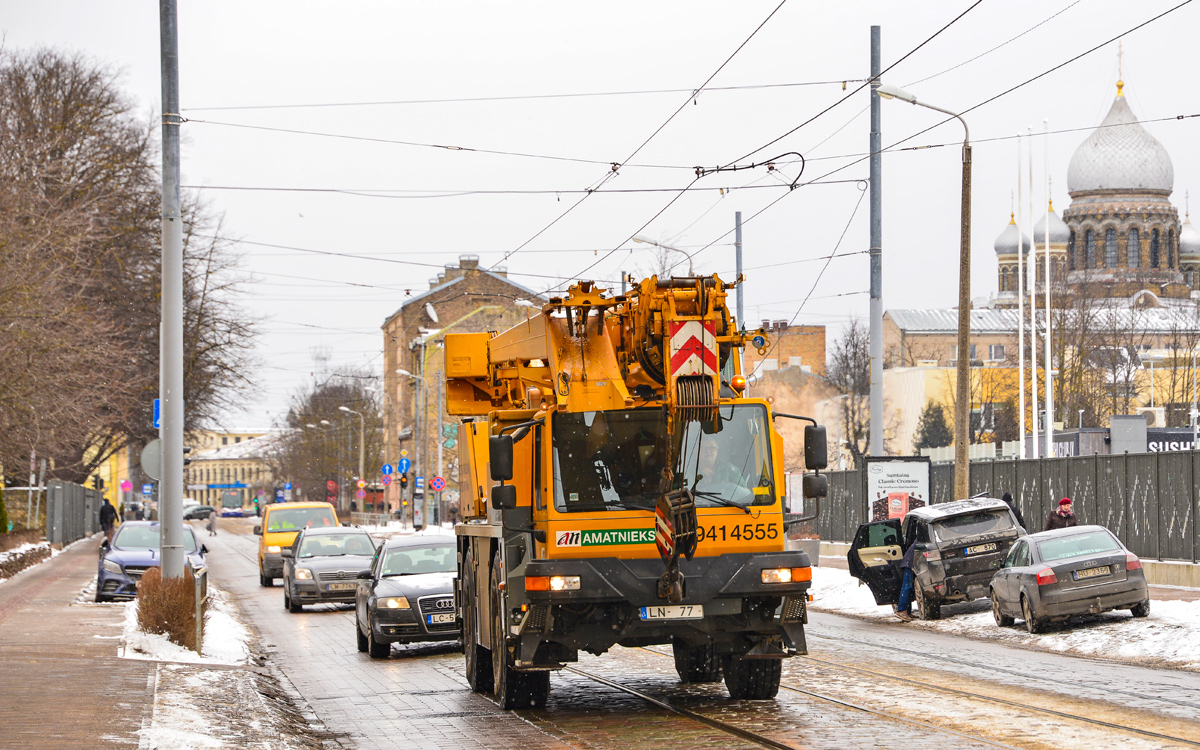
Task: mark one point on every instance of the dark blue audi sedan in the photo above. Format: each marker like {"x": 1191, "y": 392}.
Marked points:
{"x": 134, "y": 549}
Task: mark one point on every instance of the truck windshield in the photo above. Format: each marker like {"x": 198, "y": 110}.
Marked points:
{"x": 613, "y": 460}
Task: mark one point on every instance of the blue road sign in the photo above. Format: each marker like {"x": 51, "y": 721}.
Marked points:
{"x": 404, "y": 465}
{"x": 157, "y": 414}
{"x": 387, "y": 469}
{"x": 420, "y": 483}
{"x": 287, "y": 485}
{"x": 147, "y": 489}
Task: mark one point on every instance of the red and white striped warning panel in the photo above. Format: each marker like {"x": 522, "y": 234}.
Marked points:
{"x": 664, "y": 533}
{"x": 693, "y": 348}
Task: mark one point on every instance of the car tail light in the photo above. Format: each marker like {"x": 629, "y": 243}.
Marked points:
{"x": 1132, "y": 562}
{"x": 1046, "y": 576}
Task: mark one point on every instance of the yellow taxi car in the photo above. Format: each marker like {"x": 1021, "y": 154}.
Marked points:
{"x": 281, "y": 523}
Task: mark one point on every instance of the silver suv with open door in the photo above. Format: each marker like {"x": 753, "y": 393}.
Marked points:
{"x": 959, "y": 546}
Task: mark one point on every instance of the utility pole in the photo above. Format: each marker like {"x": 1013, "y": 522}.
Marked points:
{"x": 737, "y": 244}
{"x": 171, "y": 338}
{"x": 438, "y": 516}
{"x": 876, "y": 187}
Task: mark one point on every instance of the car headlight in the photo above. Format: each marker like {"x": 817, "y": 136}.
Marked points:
{"x": 273, "y": 548}
{"x": 303, "y": 574}
{"x": 112, "y": 566}
{"x": 394, "y": 602}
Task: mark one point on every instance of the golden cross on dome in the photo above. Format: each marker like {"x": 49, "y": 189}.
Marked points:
{"x": 1120, "y": 77}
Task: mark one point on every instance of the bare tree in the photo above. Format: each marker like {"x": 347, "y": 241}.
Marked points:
{"x": 850, "y": 371}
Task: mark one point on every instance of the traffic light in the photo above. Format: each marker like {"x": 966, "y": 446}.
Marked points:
{"x": 403, "y": 481}
{"x": 97, "y": 482}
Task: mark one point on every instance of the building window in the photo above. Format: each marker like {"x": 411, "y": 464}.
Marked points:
{"x": 1133, "y": 248}
{"x": 1071, "y": 251}
{"x": 237, "y": 440}
{"x": 224, "y": 441}
{"x": 1089, "y": 249}
{"x": 1154, "y": 248}
{"x": 1004, "y": 280}
{"x": 954, "y": 351}
{"x": 1110, "y": 247}
{"x": 1171, "y": 248}
{"x": 996, "y": 352}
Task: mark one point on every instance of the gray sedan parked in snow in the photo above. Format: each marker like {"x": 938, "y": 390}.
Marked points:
{"x": 322, "y": 565}
{"x": 1052, "y": 575}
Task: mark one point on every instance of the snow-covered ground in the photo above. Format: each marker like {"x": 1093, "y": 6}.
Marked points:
{"x": 1170, "y": 636}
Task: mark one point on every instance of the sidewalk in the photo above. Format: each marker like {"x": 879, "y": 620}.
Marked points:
{"x": 63, "y": 685}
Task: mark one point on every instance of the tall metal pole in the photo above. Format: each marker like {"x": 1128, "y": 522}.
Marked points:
{"x": 419, "y": 464}
{"x": 876, "y": 173}
{"x": 962, "y": 406}
{"x": 1033, "y": 384}
{"x": 171, "y": 338}
{"x": 1020, "y": 304}
{"x": 438, "y": 516}
{"x": 1049, "y": 363}
{"x": 741, "y": 288}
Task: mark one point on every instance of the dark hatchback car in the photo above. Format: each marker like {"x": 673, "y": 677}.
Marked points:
{"x": 322, "y": 565}
{"x": 134, "y": 549}
{"x": 959, "y": 547}
{"x": 1052, "y": 575}
{"x": 200, "y": 512}
{"x": 408, "y": 595}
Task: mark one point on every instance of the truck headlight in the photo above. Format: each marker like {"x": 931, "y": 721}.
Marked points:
{"x": 394, "y": 602}
{"x": 273, "y": 548}
{"x": 786, "y": 575}
{"x": 303, "y": 574}
{"x": 112, "y": 567}
{"x": 564, "y": 583}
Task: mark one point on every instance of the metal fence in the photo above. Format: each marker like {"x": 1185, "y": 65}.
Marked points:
{"x": 1149, "y": 500}
{"x": 72, "y": 512}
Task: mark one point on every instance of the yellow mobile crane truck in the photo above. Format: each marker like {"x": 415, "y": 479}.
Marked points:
{"x": 618, "y": 488}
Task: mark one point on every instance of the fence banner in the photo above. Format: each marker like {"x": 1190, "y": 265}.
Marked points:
{"x": 896, "y": 485}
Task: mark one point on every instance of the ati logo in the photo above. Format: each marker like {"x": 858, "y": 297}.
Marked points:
{"x": 568, "y": 539}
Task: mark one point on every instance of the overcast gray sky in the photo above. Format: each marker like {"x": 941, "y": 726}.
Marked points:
{"x": 589, "y": 84}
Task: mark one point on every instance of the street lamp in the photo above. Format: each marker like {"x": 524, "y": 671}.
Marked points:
{"x": 962, "y": 402}
{"x": 647, "y": 241}
{"x": 362, "y": 446}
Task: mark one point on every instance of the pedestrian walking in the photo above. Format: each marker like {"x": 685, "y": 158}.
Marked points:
{"x": 1063, "y": 517}
{"x": 1008, "y": 500}
{"x": 904, "y": 606}
{"x": 212, "y": 524}
{"x": 108, "y": 518}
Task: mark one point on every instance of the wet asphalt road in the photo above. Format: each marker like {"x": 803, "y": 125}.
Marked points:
{"x": 873, "y": 685}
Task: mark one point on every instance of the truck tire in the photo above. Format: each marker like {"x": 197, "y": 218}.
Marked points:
{"x": 478, "y": 660}
{"x": 512, "y": 688}
{"x": 697, "y": 663}
{"x": 752, "y": 679}
{"x": 929, "y": 610}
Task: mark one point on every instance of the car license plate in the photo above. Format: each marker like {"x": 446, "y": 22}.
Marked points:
{"x": 674, "y": 612}
{"x": 342, "y": 586}
{"x": 1103, "y": 570}
{"x": 979, "y": 549}
{"x": 439, "y": 618}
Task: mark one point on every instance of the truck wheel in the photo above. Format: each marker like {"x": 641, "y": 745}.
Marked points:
{"x": 697, "y": 663}
{"x": 929, "y": 610}
{"x": 512, "y": 688}
{"x": 753, "y": 679}
{"x": 478, "y": 660}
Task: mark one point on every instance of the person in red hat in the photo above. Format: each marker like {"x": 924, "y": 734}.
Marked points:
{"x": 1063, "y": 517}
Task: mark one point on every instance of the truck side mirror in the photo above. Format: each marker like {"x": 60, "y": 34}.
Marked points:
{"x": 500, "y": 450}
{"x": 815, "y": 486}
{"x": 816, "y": 450}
{"x": 504, "y": 496}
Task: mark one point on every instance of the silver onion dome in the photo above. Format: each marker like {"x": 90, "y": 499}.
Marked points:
{"x": 1120, "y": 155}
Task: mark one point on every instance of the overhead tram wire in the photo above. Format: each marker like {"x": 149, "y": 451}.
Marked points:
{"x": 651, "y": 137}
{"x": 893, "y": 146}
{"x": 526, "y": 97}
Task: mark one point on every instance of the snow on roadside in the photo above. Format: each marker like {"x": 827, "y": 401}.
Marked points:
{"x": 1170, "y": 635}
{"x": 226, "y": 640}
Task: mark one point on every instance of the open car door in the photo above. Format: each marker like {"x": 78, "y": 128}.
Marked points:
{"x": 875, "y": 558}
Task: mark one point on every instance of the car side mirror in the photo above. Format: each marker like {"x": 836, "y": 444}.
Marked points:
{"x": 204, "y": 549}
{"x": 364, "y": 574}
{"x": 816, "y": 448}
{"x": 500, "y": 457}
{"x": 286, "y": 552}
{"x": 258, "y": 531}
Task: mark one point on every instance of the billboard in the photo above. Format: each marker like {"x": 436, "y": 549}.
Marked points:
{"x": 895, "y": 485}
